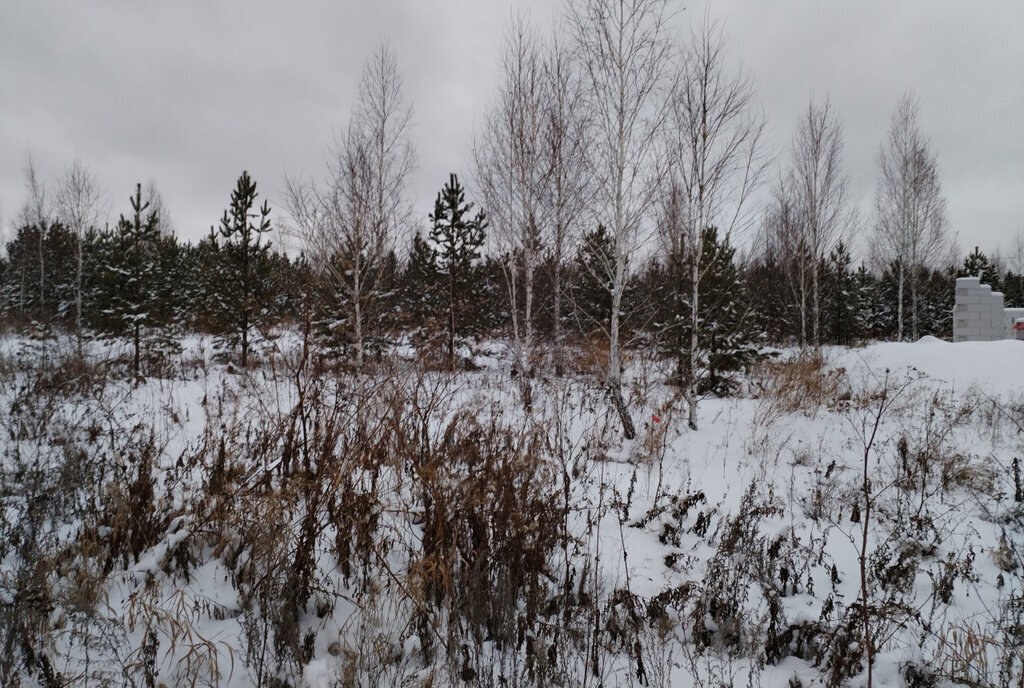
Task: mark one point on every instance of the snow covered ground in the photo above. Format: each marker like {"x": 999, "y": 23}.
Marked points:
{"x": 298, "y": 525}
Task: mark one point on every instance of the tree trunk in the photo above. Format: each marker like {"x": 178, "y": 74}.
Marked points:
{"x": 691, "y": 358}
{"x": 527, "y": 354}
{"x": 135, "y": 346}
{"x": 862, "y": 562}
{"x": 78, "y": 294}
{"x": 357, "y": 311}
{"x": 245, "y": 343}
{"x": 451, "y": 320}
{"x": 913, "y": 305}
{"x": 520, "y": 330}
{"x": 803, "y": 303}
{"x": 246, "y": 296}
{"x": 614, "y": 360}
{"x": 899, "y": 304}
{"x": 556, "y": 280}
{"x": 862, "y": 558}
{"x": 42, "y": 271}
{"x": 557, "y": 314}
{"x": 815, "y": 304}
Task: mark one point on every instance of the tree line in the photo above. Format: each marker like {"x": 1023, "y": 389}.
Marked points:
{"x": 149, "y": 287}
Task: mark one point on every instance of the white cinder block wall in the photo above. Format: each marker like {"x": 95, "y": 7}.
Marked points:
{"x": 979, "y": 314}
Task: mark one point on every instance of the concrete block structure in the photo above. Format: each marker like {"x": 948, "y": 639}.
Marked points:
{"x": 980, "y": 314}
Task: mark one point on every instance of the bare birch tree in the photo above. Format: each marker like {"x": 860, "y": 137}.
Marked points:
{"x": 157, "y": 206}
{"x": 911, "y": 226}
{"x": 714, "y": 163}
{"x": 80, "y": 207}
{"x": 351, "y": 222}
{"x": 625, "y": 54}
{"x": 385, "y": 119}
{"x": 565, "y": 141}
{"x": 37, "y": 212}
{"x": 511, "y": 165}
{"x": 783, "y": 238}
{"x": 1015, "y": 260}
{"x": 819, "y": 186}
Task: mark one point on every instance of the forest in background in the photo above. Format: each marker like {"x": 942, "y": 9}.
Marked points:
{"x": 139, "y": 281}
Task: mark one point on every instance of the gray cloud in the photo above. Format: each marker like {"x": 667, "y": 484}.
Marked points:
{"x": 189, "y": 94}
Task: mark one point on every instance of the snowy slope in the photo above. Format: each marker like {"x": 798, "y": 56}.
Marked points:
{"x": 729, "y": 554}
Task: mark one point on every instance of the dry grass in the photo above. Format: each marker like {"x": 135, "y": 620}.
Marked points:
{"x": 587, "y": 355}
{"x": 804, "y": 383}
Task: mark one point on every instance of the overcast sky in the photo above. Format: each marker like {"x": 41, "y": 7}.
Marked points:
{"x": 187, "y": 94}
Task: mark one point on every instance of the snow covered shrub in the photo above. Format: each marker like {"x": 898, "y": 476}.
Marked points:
{"x": 1005, "y": 556}
{"x": 928, "y": 462}
{"x": 985, "y": 652}
{"x": 310, "y": 489}
{"x": 672, "y": 516}
{"x": 129, "y": 522}
{"x": 28, "y": 549}
{"x": 55, "y": 367}
{"x": 827, "y": 496}
{"x": 723, "y": 614}
{"x": 158, "y": 355}
{"x": 273, "y": 582}
{"x": 77, "y": 501}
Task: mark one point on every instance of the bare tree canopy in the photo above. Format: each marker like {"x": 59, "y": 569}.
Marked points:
{"x": 513, "y": 169}
{"x": 713, "y": 163}
{"x": 36, "y": 210}
{"x": 350, "y": 223}
{"x": 80, "y": 206}
{"x": 80, "y": 203}
{"x": 812, "y": 209}
{"x": 910, "y": 211}
{"x": 626, "y": 55}
{"x": 566, "y": 146}
{"x": 384, "y": 118}
{"x": 155, "y": 201}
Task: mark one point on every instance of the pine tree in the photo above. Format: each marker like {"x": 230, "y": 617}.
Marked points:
{"x": 350, "y": 317}
{"x": 210, "y": 286}
{"x": 493, "y": 307}
{"x": 132, "y": 272}
{"x": 841, "y": 314}
{"x": 420, "y": 288}
{"x": 48, "y": 245}
{"x": 937, "y": 301}
{"x": 591, "y": 288}
{"x": 172, "y": 271}
{"x": 23, "y": 297}
{"x": 457, "y": 238}
{"x": 887, "y": 312}
{"x": 978, "y": 264}
{"x": 288, "y": 286}
{"x": 864, "y": 298}
{"x": 244, "y": 257}
{"x": 771, "y": 299}
{"x": 728, "y": 337}
{"x": 1013, "y": 289}
{"x": 97, "y": 294}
